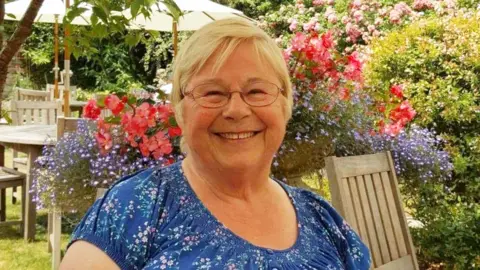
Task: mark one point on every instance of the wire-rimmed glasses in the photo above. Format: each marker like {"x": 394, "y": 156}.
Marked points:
{"x": 212, "y": 95}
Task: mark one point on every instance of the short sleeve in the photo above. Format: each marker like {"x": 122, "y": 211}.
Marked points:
{"x": 121, "y": 223}
{"x": 354, "y": 253}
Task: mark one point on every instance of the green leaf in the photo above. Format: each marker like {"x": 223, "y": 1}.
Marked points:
{"x": 11, "y": 16}
{"x": 100, "y": 30}
{"x": 100, "y": 13}
{"x": 75, "y": 12}
{"x": 94, "y": 20}
{"x": 130, "y": 40}
{"x": 154, "y": 34}
{"x": 135, "y": 7}
{"x": 113, "y": 119}
{"x": 172, "y": 121}
{"x": 132, "y": 100}
{"x": 101, "y": 101}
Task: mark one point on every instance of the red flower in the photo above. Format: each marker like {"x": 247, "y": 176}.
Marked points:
{"x": 403, "y": 113}
{"x": 174, "y": 131}
{"x": 327, "y": 40}
{"x": 91, "y": 110}
{"x": 381, "y": 107}
{"x": 103, "y": 136}
{"x": 164, "y": 112}
{"x": 397, "y": 90}
{"x": 113, "y": 103}
{"x": 344, "y": 94}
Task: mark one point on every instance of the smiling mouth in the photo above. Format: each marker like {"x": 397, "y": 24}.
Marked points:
{"x": 237, "y": 136}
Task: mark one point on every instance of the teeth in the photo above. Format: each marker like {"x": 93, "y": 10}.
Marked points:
{"x": 237, "y": 136}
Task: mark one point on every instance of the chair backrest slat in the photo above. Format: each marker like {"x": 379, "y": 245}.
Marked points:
{"x": 365, "y": 192}
{"x": 385, "y": 215}
{"x": 61, "y": 88}
{"x": 22, "y": 94}
{"x": 35, "y": 112}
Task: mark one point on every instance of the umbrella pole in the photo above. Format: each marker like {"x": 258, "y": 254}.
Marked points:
{"x": 175, "y": 38}
{"x": 55, "y": 69}
{"x": 66, "y": 91}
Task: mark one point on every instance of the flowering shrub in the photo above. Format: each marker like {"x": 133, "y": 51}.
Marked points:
{"x": 327, "y": 75}
{"x": 417, "y": 153}
{"x": 137, "y": 135}
{"x": 437, "y": 61}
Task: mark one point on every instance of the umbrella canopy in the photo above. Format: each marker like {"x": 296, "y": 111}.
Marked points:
{"x": 52, "y": 11}
{"x": 47, "y": 12}
{"x": 197, "y": 14}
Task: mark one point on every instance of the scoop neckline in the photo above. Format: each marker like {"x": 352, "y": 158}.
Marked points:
{"x": 234, "y": 235}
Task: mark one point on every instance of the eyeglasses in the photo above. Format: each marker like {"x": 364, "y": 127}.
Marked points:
{"x": 258, "y": 94}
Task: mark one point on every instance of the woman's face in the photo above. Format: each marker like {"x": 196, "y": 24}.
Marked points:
{"x": 223, "y": 136}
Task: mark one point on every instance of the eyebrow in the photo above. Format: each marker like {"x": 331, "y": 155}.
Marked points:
{"x": 222, "y": 82}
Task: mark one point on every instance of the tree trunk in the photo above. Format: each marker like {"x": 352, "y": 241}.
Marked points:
{"x": 21, "y": 33}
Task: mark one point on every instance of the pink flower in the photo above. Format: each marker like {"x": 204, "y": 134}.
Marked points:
{"x": 422, "y": 4}
{"x": 358, "y": 15}
{"x": 395, "y": 16}
{"x": 319, "y": 2}
{"x": 353, "y": 32}
{"x": 393, "y": 129}
{"x": 293, "y": 25}
{"x": 298, "y": 42}
{"x": 356, "y": 3}
{"x": 113, "y": 103}
{"x": 331, "y": 15}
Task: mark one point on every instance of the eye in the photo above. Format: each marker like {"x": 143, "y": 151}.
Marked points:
{"x": 256, "y": 91}
{"x": 213, "y": 93}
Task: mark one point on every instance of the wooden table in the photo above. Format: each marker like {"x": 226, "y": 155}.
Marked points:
{"x": 28, "y": 139}
{"x": 76, "y": 105}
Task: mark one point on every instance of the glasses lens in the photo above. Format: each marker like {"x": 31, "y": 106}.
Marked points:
{"x": 210, "y": 95}
{"x": 260, "y": 94}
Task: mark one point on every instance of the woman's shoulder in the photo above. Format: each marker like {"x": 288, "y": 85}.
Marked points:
{"x": 124, "y": 220}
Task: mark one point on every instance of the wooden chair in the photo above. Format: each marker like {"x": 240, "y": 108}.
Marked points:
{"x": 35, "y": 113}
{"x": 32, "y": 113}
{"x": 22, "y": 94}
{"x": 61, "y": 88}
{"x": 10, "y": 178}
{"x": 64, "y": 125}
{"x": 365, "y": 192}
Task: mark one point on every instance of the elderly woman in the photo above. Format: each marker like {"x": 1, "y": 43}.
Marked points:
{"x": 219, "y": 208}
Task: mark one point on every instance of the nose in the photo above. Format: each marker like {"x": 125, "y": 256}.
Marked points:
{"x": 236, "y": 108}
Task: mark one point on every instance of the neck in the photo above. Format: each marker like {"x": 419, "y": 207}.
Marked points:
{"x": 228, "y": 184}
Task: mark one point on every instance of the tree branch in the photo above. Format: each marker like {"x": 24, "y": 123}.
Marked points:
{"x": 21, "y": 33}
{"x": 2, "y": 16}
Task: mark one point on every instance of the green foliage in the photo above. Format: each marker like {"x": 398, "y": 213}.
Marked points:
{"x": 254, "y": 8}
{"x": 438, "y": 62}
{"x": 450, "y": 233}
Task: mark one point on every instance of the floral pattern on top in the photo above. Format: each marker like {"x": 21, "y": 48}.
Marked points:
{"x": 154, "y": 220}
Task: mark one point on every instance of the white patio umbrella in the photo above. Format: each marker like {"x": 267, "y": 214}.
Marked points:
{"x": 51, "y": 11}
{"x": 196, "y": 13}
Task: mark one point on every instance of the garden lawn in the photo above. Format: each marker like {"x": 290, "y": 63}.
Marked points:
{"x": 15, "y": 253}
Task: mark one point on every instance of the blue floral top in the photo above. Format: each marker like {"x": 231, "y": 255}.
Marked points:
{"x": 154, "y": 220}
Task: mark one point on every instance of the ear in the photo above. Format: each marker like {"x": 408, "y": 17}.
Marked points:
{"x": 179, "y": 114}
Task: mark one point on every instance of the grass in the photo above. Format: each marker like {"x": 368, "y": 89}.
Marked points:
{"x": 14, "y": 252}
